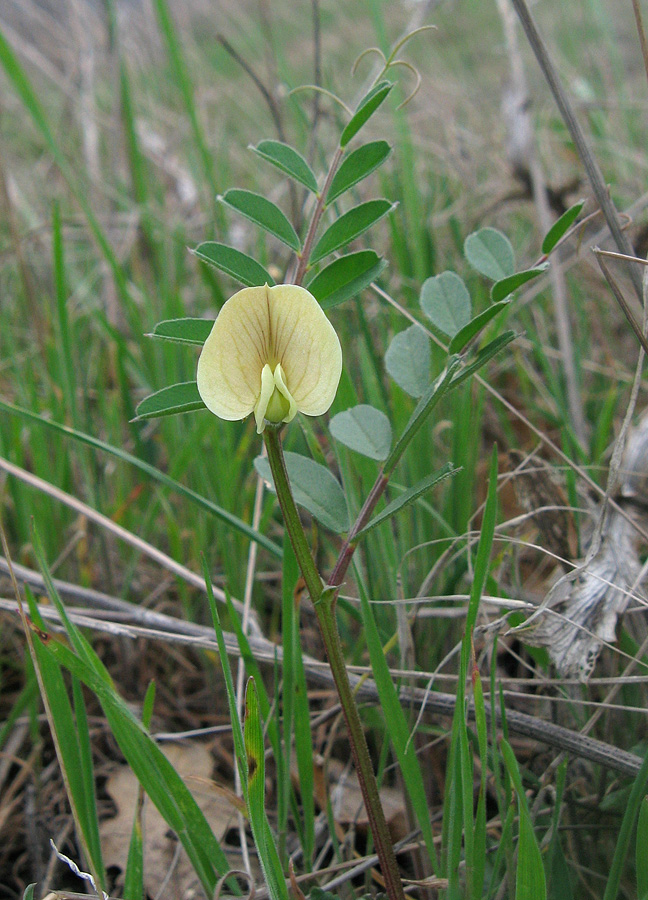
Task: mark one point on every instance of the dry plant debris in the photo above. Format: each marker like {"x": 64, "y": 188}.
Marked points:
{"x": 581, "y": 610}
{"x": 166, "y": 864}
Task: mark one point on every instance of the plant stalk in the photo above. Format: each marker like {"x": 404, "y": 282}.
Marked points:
{"x": 323, "y": 599}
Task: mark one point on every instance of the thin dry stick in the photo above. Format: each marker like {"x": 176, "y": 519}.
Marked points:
{"x": 436, "y": 703}
{"x": 641, "y": 32}
{"x": 271, "y": 103}
{"x": 515, "y": 413}
{"x": 520, "y": 121}
{"x": 615, "y": 466}
{"x": 590, "y": 164}
{"x": 122, "y": 533}
{"x": 621, "y": 300}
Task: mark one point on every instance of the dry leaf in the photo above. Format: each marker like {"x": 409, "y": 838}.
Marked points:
{"x": 580, "y": 612}
{"x": 162, "y": 850}
{"x": 348, "y": 805}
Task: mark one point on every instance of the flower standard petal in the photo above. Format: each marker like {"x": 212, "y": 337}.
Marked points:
{"x": 233, "y": 356}
{"x": 307, "y": 347}
{"x": 272, "y": 351}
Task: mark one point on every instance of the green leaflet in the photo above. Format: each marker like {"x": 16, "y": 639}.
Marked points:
{"x": 171, "y": 400}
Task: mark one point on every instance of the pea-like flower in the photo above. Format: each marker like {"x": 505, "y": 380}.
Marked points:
{"x": 273, "y": 352}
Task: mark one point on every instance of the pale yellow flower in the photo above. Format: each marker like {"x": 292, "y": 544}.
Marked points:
{"x": 273, "y": 352}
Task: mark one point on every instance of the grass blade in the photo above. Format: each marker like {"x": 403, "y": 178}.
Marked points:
{"x": 641, "y": 855}
{"x": 30, "y": 101}
{"x": 530, "y": 877}
{"x": 266, "y": 848}
{"x": 151, "y": 471}
{"x": 152, "y": 769}
{"x": 397, "y": 727}
{"x": 66, "y": 740}
{"x": 187, "y": 90}
{"x": 637, "y": 794}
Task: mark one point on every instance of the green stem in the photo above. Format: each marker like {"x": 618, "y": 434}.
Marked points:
{"x": 323, "y": 599}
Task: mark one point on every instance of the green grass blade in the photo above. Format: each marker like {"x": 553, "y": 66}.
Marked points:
{"x": 479, "y": 862}
{"x": 156, "y": 775}
{"x": 453, "y": 822}
{"x": 559, "y": 885}
{"x": 484, "y": 547}
{"x": 30, "y": 101}
{"x": 137, "y": 164}
{"x": 397, "y": 727}
{"x": 134, "y": 874}
{"x": 248, "y": 748}
{"x": 530, "y": 881}
{"x": 183, "y": 80}
{"x": 79, "y": 643}
{"x": 152, "y": 769}
{"x": 151, "y": 471}
{"x": 289, "y": 625}
{"x": 263, "y": 839}
{"x": 641, "y": 855}
{"x": 237, "y": 731}
{"x": 304, "y": 746}
{"x": 24, "y": 700}
{"x": 65, "y": 737}
{"x": 66, "y": 352}
{"x": 91, "y": 817}
{"x": 637, "y": 794}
